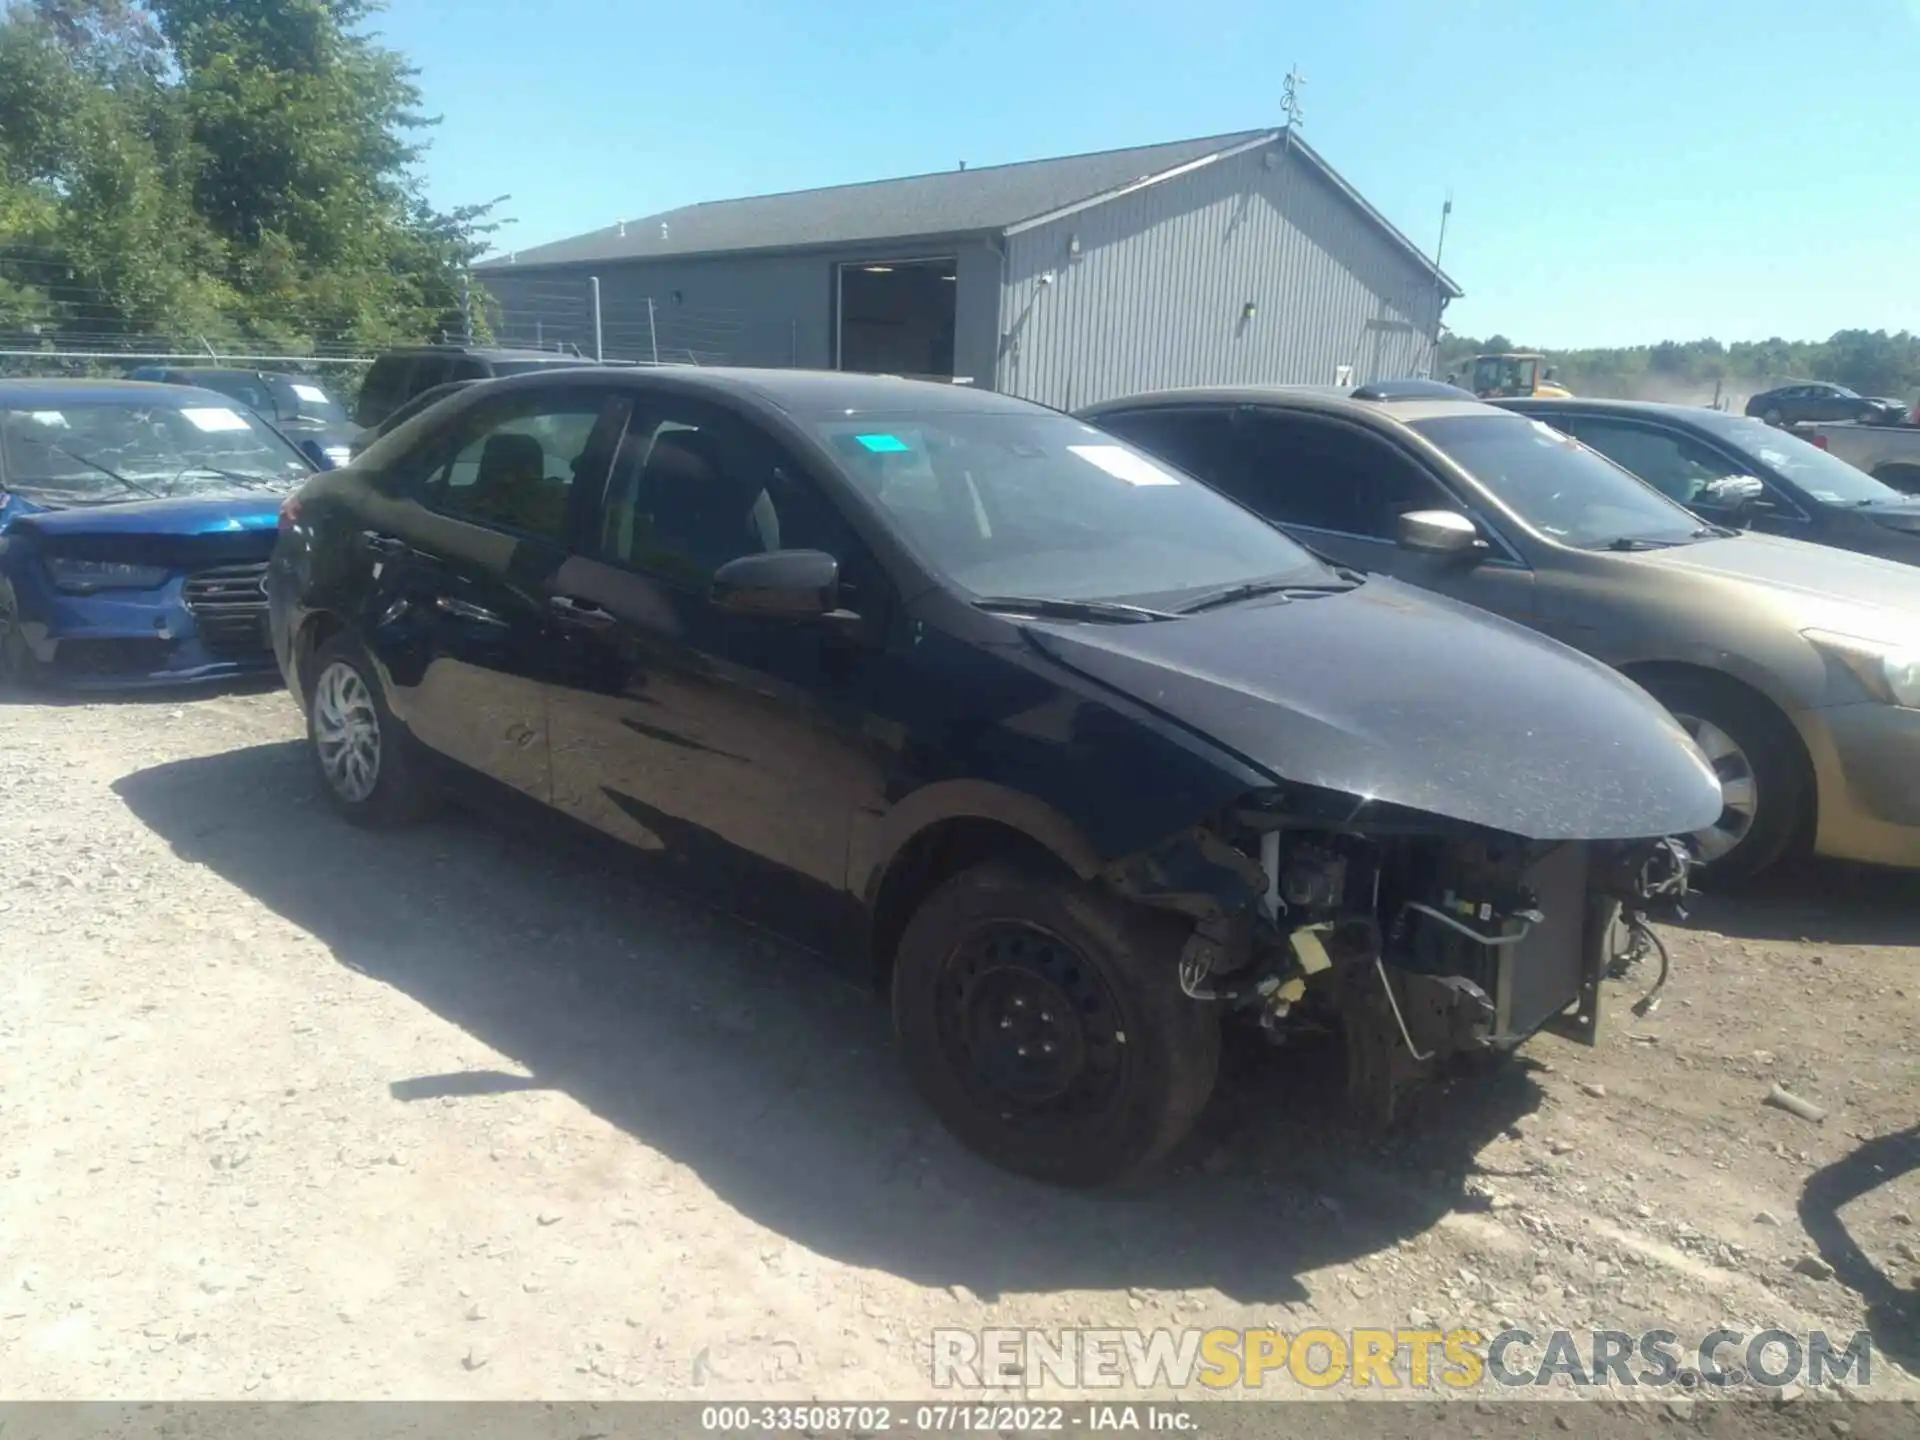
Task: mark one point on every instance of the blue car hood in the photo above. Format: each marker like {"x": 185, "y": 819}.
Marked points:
{"x": 174, "y": 518}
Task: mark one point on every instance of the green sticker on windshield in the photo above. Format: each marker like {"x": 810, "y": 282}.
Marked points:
{"x": 884, "y": 444}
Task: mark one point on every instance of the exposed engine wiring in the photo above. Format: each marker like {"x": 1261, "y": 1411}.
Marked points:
{"x": 1662, "y": 878}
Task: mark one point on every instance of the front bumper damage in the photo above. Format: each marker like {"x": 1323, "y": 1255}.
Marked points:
{"x": 1424, "y": 942}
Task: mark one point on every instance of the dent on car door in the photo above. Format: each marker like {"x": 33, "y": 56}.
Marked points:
{"x": 1343, "y": 491}
{"x": 464, "y": 565}
{"x": 734, "y": 746}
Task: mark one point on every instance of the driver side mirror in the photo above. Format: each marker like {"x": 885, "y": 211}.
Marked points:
{"x": 1438, "y": 532}
{"x": 779, "y": 585}
{"x": 315, "y": 452}
{"x": 1737, "y": 496}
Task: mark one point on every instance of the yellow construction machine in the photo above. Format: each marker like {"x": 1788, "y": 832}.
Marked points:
{"x": 1515, "y": 376}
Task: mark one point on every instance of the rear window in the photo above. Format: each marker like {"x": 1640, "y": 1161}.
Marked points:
{"x": 384, "y": 387}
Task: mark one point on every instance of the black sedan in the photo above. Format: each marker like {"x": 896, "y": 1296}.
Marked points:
{"x": 1071, "y": 755}
{"x": 1742, "y": 473}
{"x": 1817, "y": 400}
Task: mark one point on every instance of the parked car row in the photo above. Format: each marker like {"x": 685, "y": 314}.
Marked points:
{"x": 1081, "y": 737}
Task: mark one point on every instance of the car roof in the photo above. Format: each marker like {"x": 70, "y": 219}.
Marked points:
{"x": 1326, "y": 399}
{"x": 52, "y": 393}
{"x": 812, "y": 394}
{"x": 481, "y": 352}
{"x": 1578, "y": 404}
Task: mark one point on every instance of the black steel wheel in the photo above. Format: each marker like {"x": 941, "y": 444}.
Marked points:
{"x": 1043, "y": 1021}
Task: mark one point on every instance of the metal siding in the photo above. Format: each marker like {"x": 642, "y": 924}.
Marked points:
{"x": 1154, "y": 298}
{"x": 758, "y": 310}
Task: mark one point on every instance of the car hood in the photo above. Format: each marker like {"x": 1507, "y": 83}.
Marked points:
{"x": 179, "y": 517}
{"x": 1388, "y": 694}
{"x": 1825, "y": 586}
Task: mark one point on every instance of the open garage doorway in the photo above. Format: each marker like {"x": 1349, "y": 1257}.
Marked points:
{"x": 896, "y": 317}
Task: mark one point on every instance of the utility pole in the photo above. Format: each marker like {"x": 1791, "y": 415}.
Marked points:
{"x": 466, "y": 307}
{"x": 653, "y": 334}
{"x": 598, "y": 351}
{"x": 1290, "y": 102}
{"x": 1439, "y": 295}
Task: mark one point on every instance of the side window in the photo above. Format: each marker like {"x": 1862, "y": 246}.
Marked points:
{"x": 465, "y": 368}
{"x": 382, "y": 390}
{"x": 1326, "y": 477}
{"x": 694, "y": 486}
{"x": 1678, "y": 467}
{"x": 513, "y": 465}
{"x": 1199, "y": 442}
{"x": 428, "y": 371}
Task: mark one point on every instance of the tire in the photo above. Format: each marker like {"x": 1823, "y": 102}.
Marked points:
{"x": 1772, "y": 417}
{"x": 347, "y": 716}
{"x": 996, "y": 944}
{"x": 1766, "y": 754}
{"x": 20, "y": 669}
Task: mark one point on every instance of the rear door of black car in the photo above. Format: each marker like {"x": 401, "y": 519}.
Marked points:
{"x": 463, "y": 561}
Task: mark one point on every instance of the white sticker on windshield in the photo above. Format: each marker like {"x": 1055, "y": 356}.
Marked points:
{"x": 312, "y": 394}
{"x": 49, "y": 417}
{"x": 214, "y": 420}
{"x": 1123, "y": 465}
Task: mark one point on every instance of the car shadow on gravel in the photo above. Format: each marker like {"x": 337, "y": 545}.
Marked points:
{"x": 1893, "y": 1309}
{"x": 1822, "y": 902}
{"x": 744, "y": 1059}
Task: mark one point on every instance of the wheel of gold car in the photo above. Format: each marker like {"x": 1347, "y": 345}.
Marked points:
{"x": 1765, "y": 788}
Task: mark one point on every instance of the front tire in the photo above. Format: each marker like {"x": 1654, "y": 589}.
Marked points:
{"x": 368, "y": 765}
{"x": 1764, "y": 779}
{"x": 1043, "y": 1021}
{"x": 20, "y": 669}
{"x": 1773, "y": 418}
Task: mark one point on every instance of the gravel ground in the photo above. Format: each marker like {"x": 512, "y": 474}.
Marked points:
{"x": 289, "y": 1111}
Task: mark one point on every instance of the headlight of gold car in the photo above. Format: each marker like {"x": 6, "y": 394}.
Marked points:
{"x": 1890, "y": 672}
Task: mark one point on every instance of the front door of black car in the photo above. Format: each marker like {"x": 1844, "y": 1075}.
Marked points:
{"x": 734, "y": 746}
{"x": 463, "y": 571}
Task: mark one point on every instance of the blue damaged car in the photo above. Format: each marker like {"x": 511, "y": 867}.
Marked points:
{"x": 136, "y": 522}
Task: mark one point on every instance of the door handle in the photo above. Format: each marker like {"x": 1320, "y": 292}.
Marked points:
{"x": 391, "y": 545}
{"x": 447, "y": 605}
{"x": 578, "y": 612}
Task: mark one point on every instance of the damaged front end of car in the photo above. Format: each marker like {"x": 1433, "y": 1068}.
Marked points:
{"x": 1424, "y": 941}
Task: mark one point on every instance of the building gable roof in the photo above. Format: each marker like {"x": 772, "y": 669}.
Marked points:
{"x": 991, "y": 199}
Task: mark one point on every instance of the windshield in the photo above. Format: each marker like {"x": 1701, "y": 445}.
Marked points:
{"x": 1043, "y": 506}
{"x": 1557, "y": 485}
{"x": 93, "y": 454}
{"x": 1824, "y": 477}
{"x": 1502, "y": 372}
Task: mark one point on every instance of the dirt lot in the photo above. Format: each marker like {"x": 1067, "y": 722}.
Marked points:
{"x": 292, "y": 1111}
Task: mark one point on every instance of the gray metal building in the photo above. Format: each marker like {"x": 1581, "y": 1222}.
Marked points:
{"x": 1233, "y": 259}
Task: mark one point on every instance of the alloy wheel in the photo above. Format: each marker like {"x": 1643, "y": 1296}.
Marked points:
{"x": 1739, "y": 788}
{"x": 346, "y": 732}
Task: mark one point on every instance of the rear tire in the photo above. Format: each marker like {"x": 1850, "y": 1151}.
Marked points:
{"x": 1043, "y": 1021}
{"x": 1772, "y": 417}
{"x": 1769, "y": 788}
{"x": 369, "y": 766}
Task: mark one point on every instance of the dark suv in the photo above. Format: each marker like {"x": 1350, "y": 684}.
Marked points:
{"x": 1074, "y": 757}
{"x": 399, "y": 375}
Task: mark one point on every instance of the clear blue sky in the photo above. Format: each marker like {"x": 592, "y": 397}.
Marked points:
{"x": 1622, "y": 171}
